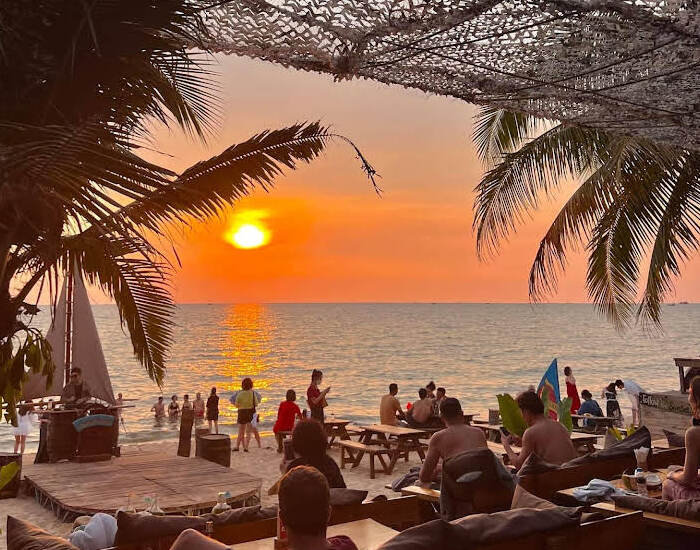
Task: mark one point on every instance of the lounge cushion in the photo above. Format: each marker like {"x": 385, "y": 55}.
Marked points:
{"x": 535, "y": 465}
{"x": 347, "y": 497}
{"x": 674, "y": 439}
{"x": 479, "y": 529}
{"x": 22, "y": 535}
{"x": 525, "y": 499}
{"x": 138, "y": 528}
{"x": 685, "y": 509}
{"x": 640, "y": 438}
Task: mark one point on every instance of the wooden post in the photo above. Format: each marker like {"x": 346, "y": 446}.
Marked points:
{"x": 69, "y": 325}
{"x": 186, "y": 421}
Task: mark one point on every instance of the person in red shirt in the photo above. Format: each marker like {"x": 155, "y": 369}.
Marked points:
{"x": 315, "y": 397}
{"x": 286, "y": 415}
{"x": 304, "y": 509}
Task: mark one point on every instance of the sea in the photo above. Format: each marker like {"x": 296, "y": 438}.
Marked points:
{"x": 475, "y": 351}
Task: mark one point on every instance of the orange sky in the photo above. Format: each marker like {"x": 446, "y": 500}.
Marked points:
{"x": 333, "y": 239}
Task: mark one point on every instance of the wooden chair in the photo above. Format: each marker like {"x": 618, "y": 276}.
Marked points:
{"x": 352, "y": 452}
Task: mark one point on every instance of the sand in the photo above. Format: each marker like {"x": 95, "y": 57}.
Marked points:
{"x": 259, "y": 462}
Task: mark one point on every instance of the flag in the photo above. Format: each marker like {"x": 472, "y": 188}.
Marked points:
{"x": 548, "y": 390}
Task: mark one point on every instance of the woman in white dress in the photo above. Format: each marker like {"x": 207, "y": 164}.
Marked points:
{"x": 24, "y": 426}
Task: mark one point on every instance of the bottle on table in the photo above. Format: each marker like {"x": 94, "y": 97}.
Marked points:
{"x": 641, "y": 481}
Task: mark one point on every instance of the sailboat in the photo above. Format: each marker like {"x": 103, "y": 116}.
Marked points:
{"x": 75, "y": 344}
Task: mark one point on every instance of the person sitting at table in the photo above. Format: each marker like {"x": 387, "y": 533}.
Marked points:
{"x": 304, "y": 509}
{"x": 589, "y": 406}
{"x": 685, "y": 483}
{"x": 389, "y": 407}
{"x": 456, "y": 438}
{"x": 76, "y": 391}
{"x": 430, "y": 388}
{"x": 420, "y": 414}
{"x": 310, "y": 444}
{"x": 287, "y": 414}
{"x": 545, "y": 437}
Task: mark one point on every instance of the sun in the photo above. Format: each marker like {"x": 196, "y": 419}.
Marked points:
{"x": 247, "y": 236}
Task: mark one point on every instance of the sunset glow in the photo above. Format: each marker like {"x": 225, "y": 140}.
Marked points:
{"x": 248, "y": 236}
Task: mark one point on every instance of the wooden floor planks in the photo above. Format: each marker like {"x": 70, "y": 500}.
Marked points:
{"x": 182, "y": 484}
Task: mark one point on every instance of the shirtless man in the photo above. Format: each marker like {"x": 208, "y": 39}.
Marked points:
{"x": 457, "y": 438}
{"x": 159, "y": 408}
{"x": 545, "y": 437}
{"x": 422, "y": 410}
{"x": 390, "y": 408}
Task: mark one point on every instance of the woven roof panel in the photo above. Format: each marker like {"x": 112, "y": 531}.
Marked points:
{"x": 626, "y": 66}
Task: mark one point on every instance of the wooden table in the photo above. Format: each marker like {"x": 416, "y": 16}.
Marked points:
{"x": 336, "y": 428}
{"x": 662, "y": 473}
{"x": 577, "y": 438}
{"x": 423, "y": 493}
{"x": 400, "y": 440}
{"x": 599, "y": 421}
{"x": 367, "y": 534}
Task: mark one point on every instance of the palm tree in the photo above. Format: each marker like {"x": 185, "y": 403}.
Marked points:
{"x": 637, "y": 201}
{"x": 81, "y": 84}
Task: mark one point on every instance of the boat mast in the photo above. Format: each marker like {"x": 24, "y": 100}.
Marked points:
{"x": 69, "y": 324}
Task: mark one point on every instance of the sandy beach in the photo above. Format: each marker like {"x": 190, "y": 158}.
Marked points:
{"x": 259, "y": 462}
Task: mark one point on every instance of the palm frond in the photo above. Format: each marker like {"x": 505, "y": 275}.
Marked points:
{"x": 140, "y": 287}
{"x": 627, "y": 228}
{"x": 513, "y": 189}
{"x": 498, "y": 132}
{"x": 206, "y": 188}
{"x": 676, "y": 238}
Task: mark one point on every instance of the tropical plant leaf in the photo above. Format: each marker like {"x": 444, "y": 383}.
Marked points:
{"x": 498, "y": 132}
{"x": 513, "y": 189}
{"x": 564, "y": 414}
{"x": 511, "y": 415}
{"x": 7, "y": 473}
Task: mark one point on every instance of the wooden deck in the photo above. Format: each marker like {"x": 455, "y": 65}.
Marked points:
{"x": 185, "y": 485}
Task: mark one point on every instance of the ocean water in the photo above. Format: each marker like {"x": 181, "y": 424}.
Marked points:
{"x": 474, "y": 350}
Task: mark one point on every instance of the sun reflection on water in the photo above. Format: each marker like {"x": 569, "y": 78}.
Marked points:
{"x": 247, "y": 349}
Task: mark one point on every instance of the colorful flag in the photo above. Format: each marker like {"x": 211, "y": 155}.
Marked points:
{"x": 548, "y": 390}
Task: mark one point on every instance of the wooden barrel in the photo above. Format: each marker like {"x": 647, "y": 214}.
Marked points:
{"x": 198, "y": 433}
{"x": 12, "y": 488}
{"x": 61, "y": 437}
{"x": 216, "y": 448}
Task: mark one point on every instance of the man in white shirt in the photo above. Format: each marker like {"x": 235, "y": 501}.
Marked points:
{"x": 632, "y": 389}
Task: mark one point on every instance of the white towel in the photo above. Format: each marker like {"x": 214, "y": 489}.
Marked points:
{"x": 99, "y": 533}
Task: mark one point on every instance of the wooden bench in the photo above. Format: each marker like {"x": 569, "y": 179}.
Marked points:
{"x": 669, "y": 523}
{"x": 353, "y": 451}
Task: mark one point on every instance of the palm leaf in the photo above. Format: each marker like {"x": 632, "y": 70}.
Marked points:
{"x": 498, "y": 132}
{"x": 676, "y": 238}
{"x": 512, "y": 190}
{"x": 511, "y": 415}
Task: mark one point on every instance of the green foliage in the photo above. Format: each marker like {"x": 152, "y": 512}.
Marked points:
{"x": 7, "y": 473}
{"x": 564, "y": 414}
{"x": 34, "y": 352}
{"x": 615, "y": 433}
{"x": 638, "y": 203}
{"x": 510, "y": 414}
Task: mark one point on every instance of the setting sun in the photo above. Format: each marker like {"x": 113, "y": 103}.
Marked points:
{"x": 247, "y": 230}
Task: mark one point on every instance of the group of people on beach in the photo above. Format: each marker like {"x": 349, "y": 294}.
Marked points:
{"x": 591, "y": 407}
{"x": 424, "y": 413}
{"x": 200, "y": 408}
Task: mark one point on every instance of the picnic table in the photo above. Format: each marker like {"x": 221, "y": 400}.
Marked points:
{"x": 367, "y": 534}
{"x": 335, "y": 427}
{"x": 401, "y": 441}
{"x": 577, "y": 438}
